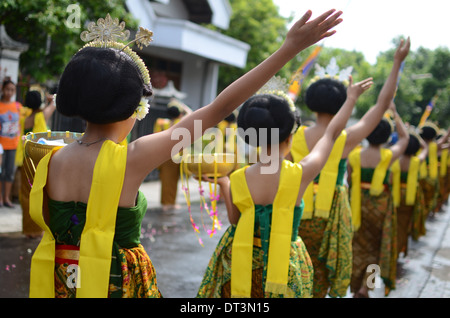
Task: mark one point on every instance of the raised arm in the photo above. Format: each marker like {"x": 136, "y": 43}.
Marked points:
{"x": 443, "y": 141}
{"x": 316, "y": 159}
{"x": 424, "y": 146}
{"x": 403, "y": 136}
{"x": 157, "y": 148}
{"x": 357, "y": 132}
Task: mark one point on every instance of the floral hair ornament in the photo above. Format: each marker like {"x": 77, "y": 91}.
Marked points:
{"x": 106, "y": 33}
{"x": 332, "y": 71}
{"x": 278, "y": 86}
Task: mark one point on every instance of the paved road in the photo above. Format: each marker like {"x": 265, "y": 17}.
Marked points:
{"x": 180, "y": 260}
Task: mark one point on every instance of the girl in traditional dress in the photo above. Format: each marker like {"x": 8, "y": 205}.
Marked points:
{"x": 95, "y": 208}
{"x": 410, "y": 209}
{"x": 375, "y": 238}
{"x": 443, "y": 152}
{"x": 35, "y": 121}
{"x": 260, "y": 254}
{"x": 326, "y": 226}
{"x": 429, "y": 168}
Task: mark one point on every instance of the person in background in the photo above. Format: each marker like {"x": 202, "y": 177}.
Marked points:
{"x": 35, "y": 122}
{"x": 169, "y": 171}
{"x": 9, "y": 138}
{"x": 373, "y": 213}
{"x": 409, "y": 198}
{"x": 326, "y": 227}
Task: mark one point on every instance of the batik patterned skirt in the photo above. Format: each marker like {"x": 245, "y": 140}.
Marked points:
{"x": 132, "y": 273}
{"x": 430, "y": 188}
{"x": 375, "y": 242}
{"x": 329, "y": 244}
{"x": 216, "y": 281}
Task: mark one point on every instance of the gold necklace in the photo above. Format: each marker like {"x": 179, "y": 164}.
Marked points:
{"x": 87, "y": 144}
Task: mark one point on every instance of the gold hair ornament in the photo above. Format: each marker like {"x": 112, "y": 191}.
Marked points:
{"x": 278, "y": 86}
{"x": 332, "y": 71}
{"x": 106, "y": 33}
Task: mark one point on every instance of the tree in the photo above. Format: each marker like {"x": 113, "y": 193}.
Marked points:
{"x": 258, "y": 23}
{"x": 52, "y": 42}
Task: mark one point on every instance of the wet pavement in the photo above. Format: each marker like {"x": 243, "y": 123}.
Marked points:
{"x": 180, "y": 260}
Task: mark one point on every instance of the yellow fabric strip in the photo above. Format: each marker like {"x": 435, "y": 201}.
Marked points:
{"x": 242, "y": 248}
{"x": 412, "y": 180}
{"x": 280, "y": 234}
{"x": 433, "y": 160}
{"x": 299, "y": 150}
{"x": 42, "y": 273}
{"x": 39, "y": 126}
{"x": 444, "y": 163}
{"x": 98, "y": 233}
{"x": 328, "y": 177}
{"x": 396, "y": 180}
{"x": 376, "y": 186}
{"x": 354, "y": 159}
{"x": 321, "y": 205}
{"x": 281, "y": 229}
{"x": 423, "y": 171}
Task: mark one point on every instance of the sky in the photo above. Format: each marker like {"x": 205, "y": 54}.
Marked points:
{"x": 370, "y": 26}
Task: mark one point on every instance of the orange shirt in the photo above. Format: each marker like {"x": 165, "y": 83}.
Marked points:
{"x": 9, "y": 125}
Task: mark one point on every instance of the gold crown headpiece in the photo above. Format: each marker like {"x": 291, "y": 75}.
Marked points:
{"x": 278, "y": 86}
{"x": 332, "y": 71}
{"x": 429, "y": 124}
{"x": 106, "y": 32}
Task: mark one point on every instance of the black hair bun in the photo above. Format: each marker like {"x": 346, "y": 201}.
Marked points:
{"x": 33, "y": 100}
{"x": 381, "y": 133}
{"x": 428, "y": 133}
{"x": 326, "y": 95}
{"x": 413, "y": 145}
{"x": 100, "y": 85}
{"x": 263, "y": 112}
{"x": 173, "y": 112}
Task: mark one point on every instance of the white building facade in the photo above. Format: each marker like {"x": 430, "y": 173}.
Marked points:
{"x": 185, "y": 52}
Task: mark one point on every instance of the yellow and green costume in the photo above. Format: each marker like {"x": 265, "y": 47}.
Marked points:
{"x": 23, "y": 163}
{"x": 429, "y": 178}
{"x": 442, "y": 176}
{"x": 99, "y": 239}
{"x": 326, "y": 226}
{"x": 374, "y": 220}
{"x": 409, "y": 202}
{"x": 262, "y": 256}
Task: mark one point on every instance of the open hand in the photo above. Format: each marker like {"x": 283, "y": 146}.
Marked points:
{"x": 403, "y": 49}
{"x": 305, "y": 33}
{"x": 355, "y": 90}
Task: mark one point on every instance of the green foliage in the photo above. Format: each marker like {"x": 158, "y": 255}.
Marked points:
{"x": 258, "y": 23}
{"x": 41, "y": 24}
{"x": 426, "y": 72}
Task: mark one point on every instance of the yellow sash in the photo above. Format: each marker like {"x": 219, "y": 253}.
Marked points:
{"x": 423, "y": 171}
{"x": 328, "y": 175}
{"x": 412, "y": 180}
{"x": 39, "y": 126}
{"x": 354, "y": 159}
{"x": 443, "y": 165}
{"x": 432, "y": 162}
{"x": 280, "y": 233}
{"x": 98, "y": 233}
{"x": 42, "y": 273}
{"x": 396, "y": 180}
{"x": 376, "y": 185}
